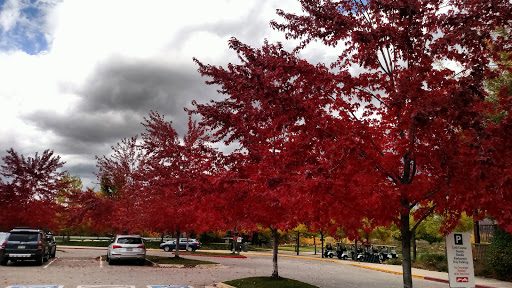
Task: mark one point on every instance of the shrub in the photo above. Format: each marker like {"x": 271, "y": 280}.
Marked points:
{"x": 394, "y": 261}
{"x": 216, "y": 246}
{"x": 210, "y": 237}
{"x": 432, "y": 261}
{"x": 499, "y": 256}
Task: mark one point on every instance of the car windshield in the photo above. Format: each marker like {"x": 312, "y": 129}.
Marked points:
{"x": 129, "y": 240}
{"x": 23, "y": 237}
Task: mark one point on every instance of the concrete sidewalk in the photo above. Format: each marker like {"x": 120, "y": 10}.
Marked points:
{"x": 394, "y": 269}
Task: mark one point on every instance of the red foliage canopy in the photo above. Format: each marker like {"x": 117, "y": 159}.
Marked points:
{"x": 390, "y": 126}
{"x": 29, "y": 191}
{"x": 153, "y": 184}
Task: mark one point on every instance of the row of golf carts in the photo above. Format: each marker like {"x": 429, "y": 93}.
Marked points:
{"x": 363, "y": 253}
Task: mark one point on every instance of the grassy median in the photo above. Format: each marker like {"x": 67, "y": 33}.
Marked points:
{"x": 268, "y": 282}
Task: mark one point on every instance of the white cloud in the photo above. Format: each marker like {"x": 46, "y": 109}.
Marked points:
{"x": 10, "y": 14}
{"x": 88, "y": 37}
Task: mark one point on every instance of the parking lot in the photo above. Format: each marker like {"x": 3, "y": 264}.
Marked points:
{"x": 84, "y": 268}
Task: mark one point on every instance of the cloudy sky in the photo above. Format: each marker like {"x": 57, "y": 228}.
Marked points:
{"x": 79, "y": 75}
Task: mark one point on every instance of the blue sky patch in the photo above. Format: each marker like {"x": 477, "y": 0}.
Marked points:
{"x": 26, "y": 33}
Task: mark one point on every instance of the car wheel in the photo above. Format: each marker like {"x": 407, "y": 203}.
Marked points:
{"x": 111, "y": 261}
{"x": 39, "y": 260}
{"x": 331, "y": 256}
{"x": 3, "y": 261}
{"x": 53, "y": 253}
{"x": 167, "y": 249}
{"x": 345, "y": 257}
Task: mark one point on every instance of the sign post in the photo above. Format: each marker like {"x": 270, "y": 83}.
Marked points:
{"x": 460, "y": 260}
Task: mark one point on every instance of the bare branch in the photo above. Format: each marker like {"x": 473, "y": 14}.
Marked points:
{"x": 430, "y": 194}
{"x": 374, "y": 96}
{"x": 428, "y": 213}
{"x": 388, "y": 70}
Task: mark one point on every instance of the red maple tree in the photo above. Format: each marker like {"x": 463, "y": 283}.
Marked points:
{"x": 266, "y": 108}
{"x": 111, "y": 209}
{"x": 404, "y": 132}
{"x": 29, "y": 188}
{"x": 175, "y": 176}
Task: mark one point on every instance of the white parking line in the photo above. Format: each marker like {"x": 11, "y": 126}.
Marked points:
{"x": 37, "y": 286}
{"x": 50, "y": 263}
{"x": 101, "y": 263}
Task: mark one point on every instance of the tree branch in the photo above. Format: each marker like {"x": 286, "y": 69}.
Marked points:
{"x": 374, "y": 96}
{"x": 428, "y": 213}
{"x": 388, "y": 71}
{"x": 430, "y": 194}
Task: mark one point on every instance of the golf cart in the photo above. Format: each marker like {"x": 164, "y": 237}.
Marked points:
{"x": 386, "y": 252}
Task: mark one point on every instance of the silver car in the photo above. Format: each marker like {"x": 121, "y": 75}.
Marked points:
{"x": 127, "y": 247}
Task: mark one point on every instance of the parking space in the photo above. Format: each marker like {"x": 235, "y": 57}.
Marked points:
{"x": 78, "y": 262}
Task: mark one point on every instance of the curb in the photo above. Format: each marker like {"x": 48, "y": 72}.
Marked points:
{"x": 199, "y": 266}
{"x": 203, "y": 255}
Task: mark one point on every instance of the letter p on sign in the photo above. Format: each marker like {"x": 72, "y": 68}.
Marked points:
{"x": 458, "y": 239}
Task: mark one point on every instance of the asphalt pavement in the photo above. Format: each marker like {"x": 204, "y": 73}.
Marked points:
{"x": 434, "y": 276}
{"x": 82, "y": 265}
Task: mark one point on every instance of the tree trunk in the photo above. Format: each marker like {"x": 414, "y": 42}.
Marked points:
{"x": 275, "y": 237}
{"x": 298, "y": 242}
{"x": 476, "y": 226}
{"x": 314, "y": 243}
{"x": 322, "y": 240}
{"x": 406, "y": 250}
{"x": 177, "y": 250}
{"x": 413, "y": 239}
{"x": 354, "y": 257}
{"x": 237, "y": 246}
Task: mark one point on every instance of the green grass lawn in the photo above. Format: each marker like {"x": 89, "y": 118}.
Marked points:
{"x": 267, "y": 282}
{"x": 301, "y": 249}
{"x": 101, "y": 243}
{"x": 96, "y": 243}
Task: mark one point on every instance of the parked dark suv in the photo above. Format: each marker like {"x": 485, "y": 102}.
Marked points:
{"x": 25, "y": 244}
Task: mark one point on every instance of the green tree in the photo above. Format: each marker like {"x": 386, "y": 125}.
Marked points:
{"x": 500, "y": 84}
{"x": 499, "y": 255}
{"x": 72, "y": 185}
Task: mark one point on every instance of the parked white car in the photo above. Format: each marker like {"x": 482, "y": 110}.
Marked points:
{"x": 127, "y": 247}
